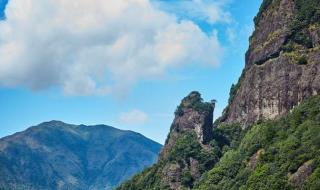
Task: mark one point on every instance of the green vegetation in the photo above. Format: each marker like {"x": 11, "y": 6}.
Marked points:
{"x": 232, "y": 94}
{"x": 307, "y": 14}
{"x": 194, "y": 101}
{"x": 284, "y": 146}
{"x": 150, "y": 178}
{"x": 186, "y": 147}
{"x": 289, "y": 47}
{"x": 233, "y": 91}
{"x": 297, "y": 57}
{"x": 186, "y": 178}
{"x": 264, "y": 6}
{"x": 303, "y": 60}
{"x": 287, "y": 143}
{"x": 268, "y": 155}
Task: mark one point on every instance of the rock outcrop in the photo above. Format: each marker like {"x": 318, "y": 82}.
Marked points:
{"x": 282, "y": 64}
{"x": 192, "y": 115}
{"x": 299, "y": 178}
{"x": 253, "y": 162}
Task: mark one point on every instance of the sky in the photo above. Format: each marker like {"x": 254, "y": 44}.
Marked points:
{"x": 123, "y": 63}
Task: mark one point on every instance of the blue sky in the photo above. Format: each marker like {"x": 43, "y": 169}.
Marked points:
{"x": 141, "y": 98}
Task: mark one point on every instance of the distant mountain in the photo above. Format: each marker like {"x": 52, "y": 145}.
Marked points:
{"x": 56, "y": 155}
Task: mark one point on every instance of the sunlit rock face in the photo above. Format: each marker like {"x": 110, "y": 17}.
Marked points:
{"x": 281, "y": 69}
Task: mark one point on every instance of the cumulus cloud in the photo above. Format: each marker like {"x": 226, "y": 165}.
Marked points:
{"x": 209, "y": 11}
{"x": 134, "y": 117}
{"x": 97, "y": 47}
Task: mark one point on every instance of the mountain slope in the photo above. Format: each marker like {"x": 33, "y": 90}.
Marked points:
{"x": 281, "y": 154}
{"x": 55, "y": 155}
{"x": 187, "y": 152}
{"x": 268, "y": 136}
{"x": 270, "y": 155}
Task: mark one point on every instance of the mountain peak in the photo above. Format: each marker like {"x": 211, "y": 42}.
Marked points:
{"x": 56, "y": 155}
{"x": 53, "y": 123}
{"x": 192, "y": 115}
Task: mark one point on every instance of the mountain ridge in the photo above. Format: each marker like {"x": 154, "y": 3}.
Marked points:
{"x": 56, "y": 155}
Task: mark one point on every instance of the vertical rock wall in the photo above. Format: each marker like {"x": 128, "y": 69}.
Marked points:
{"x": 279, "y": 73}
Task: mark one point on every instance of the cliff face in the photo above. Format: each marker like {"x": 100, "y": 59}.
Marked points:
{"x": 194, "y": 116}
{"x": 192, "y": 124}
{"x": 282, "y": 63}
{"x": 188, "y": 152}
{"x": 282, "y": 70}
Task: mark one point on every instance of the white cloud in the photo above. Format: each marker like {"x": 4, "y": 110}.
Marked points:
{"x": 231, "y": 34}
{"x": 96, "y": 46}
{"x": 210, "y": 11}
{"x": 134, "y": 117}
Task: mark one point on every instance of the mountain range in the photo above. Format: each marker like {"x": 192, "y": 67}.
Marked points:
{"x": 268, "y": 137}
{"x": 55, "y": 155}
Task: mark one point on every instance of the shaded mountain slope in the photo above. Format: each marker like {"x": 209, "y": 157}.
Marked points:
{"x": 55, "y": 155}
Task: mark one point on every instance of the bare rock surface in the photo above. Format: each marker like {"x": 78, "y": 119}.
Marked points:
{"x": 275, "y": 79}
{"x": 301, "y": 175}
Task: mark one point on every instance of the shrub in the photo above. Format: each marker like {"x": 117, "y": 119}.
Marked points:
{"x": 289, "y": 47}
{"x": 194, "y": 101}
{"x": 186, "y": 178}
{"x": 186, "y": 146}
{"x": 265, "y": 4}
{"x": 302, "y": 60}
{"x": 307, "y": 13}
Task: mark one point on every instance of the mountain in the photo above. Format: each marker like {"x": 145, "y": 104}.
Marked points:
{"x": 282, "y": 63}
{"x": 187, "y": 152}
{"x": 56, "y": 155}
{"x": 268, "y": 137}
{"x": 268, "y": 155}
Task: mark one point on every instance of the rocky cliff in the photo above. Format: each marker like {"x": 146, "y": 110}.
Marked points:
{"x": 269, "y": 135}
{"x": 188, "y": 150}
{"x": 282, "y": 63}
{"x": 192, "y": 115}
{"x": 192, "y": 124}
{"x": 269, "y": 155}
